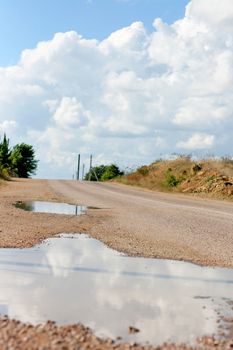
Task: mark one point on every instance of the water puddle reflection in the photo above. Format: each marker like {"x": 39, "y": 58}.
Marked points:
{"x": 74, "y": 278}
{"x": 52, "y": 207}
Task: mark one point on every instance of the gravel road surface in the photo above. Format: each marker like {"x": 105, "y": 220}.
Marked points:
{"x": 135, "y": 221}
{"x": 155, "y": 224}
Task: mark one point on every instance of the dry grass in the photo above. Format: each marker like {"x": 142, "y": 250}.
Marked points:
{"x": 2, "y": 182}
{"x": 185, "y": 175}
{"x": 4, "y": 176}
{"x": 154, "y": 175}
{"x": 224, "y": 166}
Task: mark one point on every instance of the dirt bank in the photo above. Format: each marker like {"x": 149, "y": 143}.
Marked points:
{"x": 211, "y": 178}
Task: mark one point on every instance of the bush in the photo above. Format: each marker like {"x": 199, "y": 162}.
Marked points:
{"x": 110, "y": 172}
{"x": 143, "y": 170}
{"x": 210, "y": 178}
{"x": 103, "y": 173}
{"x": 4, "y": 174}
{"x": 171, "y": 179}
{"x": 96, "y": 173}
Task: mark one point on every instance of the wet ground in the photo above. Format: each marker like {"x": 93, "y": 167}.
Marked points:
{"x": 74, "y": 278}
{"x": 52, "y": 207}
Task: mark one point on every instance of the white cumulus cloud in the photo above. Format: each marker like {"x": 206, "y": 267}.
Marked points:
{"x": 128, "y": 98}
{"x": 197, "y": 141}
{"x": 7, "y": 125}
{"x": 70, "y": 113}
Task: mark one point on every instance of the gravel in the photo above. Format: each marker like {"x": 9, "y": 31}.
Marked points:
{"x": 134, "y": 221}
{"x": 15, "y": 335}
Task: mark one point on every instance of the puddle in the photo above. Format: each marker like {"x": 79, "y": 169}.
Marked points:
{"x": 74, "y": 278}
{"x": 52, "y": 207}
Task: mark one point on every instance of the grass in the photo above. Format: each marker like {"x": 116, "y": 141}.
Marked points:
{"x": 160, "y": 175}
{"x": 185, "y": 175}
{"x": 4, "y": 175}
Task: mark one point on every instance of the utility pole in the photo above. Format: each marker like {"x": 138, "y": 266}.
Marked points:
{"x": 90, "y": 168}
{"x": 83, "y": 171}
{"x": 95, "y": 175}
{"x": 78, "y": 169}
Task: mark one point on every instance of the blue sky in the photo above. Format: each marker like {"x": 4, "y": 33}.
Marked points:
{"x": 146, "y": 87}
{"x": 23, "y": 23}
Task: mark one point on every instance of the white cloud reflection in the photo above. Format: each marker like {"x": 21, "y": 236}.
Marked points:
{"x": 80, "y": 280}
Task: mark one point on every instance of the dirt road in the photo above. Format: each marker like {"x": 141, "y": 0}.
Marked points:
{"x": 131, "y": 220}
{"x": 135, "y": 221}
{"x": 158, "y": 224}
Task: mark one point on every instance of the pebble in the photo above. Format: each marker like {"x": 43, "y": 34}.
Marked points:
{"x": 16, "y": 335}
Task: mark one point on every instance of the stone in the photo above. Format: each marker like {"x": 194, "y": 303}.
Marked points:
{"x": 196, "y": 168}
{"x": 133, "y": 330}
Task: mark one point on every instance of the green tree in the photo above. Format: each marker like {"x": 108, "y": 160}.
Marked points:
{"x": 110, "y": 172}
{"x": 5, "y": 153}
{"x": 23, "y": 160}
{"x": 96, "y": 171}
{"x": 103, "y": 172}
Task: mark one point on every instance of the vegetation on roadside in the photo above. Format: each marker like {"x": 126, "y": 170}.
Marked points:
{"x": 210, "y": 176}
{"x": 18, "y": 161}
{"x": 103, "y": 173}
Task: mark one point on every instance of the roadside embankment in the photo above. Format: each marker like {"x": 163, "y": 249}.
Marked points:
{"x": 210, "y": 178}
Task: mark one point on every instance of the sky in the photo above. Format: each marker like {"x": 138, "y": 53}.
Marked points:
{"x": 23, "y": 23}
{"x": 128, "y": 81}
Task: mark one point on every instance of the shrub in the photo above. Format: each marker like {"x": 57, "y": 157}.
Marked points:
{"x": 95, "y": 173}
{"x": 210, "y": 178}
{"x": 103, "y": 173}
{"x": 171, "y": 179}
{"x": 143, "y": 170}
{"x": 110, "y": 172}
{"x": 4, "y": 173}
